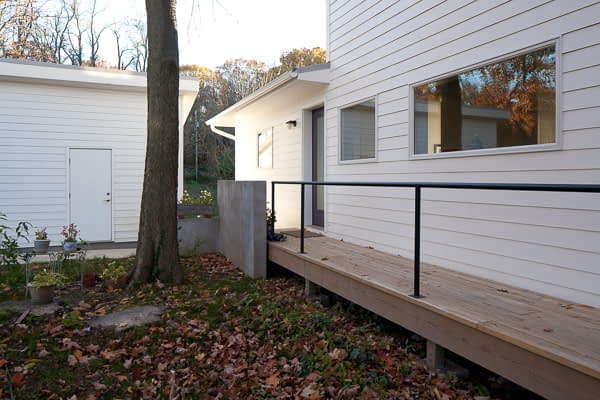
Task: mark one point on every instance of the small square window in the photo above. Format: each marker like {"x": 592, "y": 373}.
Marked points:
{"x": 265, "y": 149}
{"x": 503, "y": 104}
{"x": 358, "y": 131}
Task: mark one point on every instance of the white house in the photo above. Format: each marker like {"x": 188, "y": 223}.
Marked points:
{"x": 274, "y": 133}
{"x": 72, "y": 147}
{"x": 447, "y": 91}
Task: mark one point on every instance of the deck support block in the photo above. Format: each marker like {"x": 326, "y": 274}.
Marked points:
{"x": 311, "y": 289}
{"x": 435, "y": 359}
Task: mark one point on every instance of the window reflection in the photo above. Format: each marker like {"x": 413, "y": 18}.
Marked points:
{"x": 509, "y": 103}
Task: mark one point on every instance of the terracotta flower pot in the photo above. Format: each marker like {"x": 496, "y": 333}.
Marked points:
{"x": 42, "y": 295}
{"x": 89, "y": 279}
{"x": 119, "y": 283}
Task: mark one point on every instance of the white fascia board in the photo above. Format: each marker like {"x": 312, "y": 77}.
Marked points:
{"x": 68, "y": 75}
{"x": 227, "y": 116}
{"x": 314, "y": 74}
{"x": 318, "y": 76}
{"x": 189, "y": 85}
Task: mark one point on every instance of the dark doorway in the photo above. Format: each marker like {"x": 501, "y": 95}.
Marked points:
{"x": 318, "y": 166}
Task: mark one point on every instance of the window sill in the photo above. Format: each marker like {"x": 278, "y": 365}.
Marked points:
{"x": 488, "y": 152}
{"x": 358, "y": 161}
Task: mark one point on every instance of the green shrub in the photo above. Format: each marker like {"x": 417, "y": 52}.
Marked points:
{"x": 9, "y": 243}
{"x": 113, "y": 271}
{"x": 73, "y": 320}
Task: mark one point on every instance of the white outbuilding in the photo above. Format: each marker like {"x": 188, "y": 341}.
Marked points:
{"x": 72, "y": 147}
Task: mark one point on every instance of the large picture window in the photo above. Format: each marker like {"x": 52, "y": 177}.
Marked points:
{"x": 358, "y": 131}
{"x": 504, "y": 104}
{"x": 265, "y": 149}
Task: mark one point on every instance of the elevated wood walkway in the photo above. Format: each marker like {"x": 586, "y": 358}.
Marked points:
{"x": 545, "y": 344}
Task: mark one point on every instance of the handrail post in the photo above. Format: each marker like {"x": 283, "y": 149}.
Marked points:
{"x": 273, "y": 206}
{"x": 417, "y": 256}
{"x": 302, "y": 218}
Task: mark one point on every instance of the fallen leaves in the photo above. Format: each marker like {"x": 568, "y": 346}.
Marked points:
{"x": 273, "y": 379}
{"x": 310, "y": 392}
{"x": 110, "y": 356}
{"x": 337, "y": 354}
{"x": 72, "y": 360}
{"x": 18, "y": 380}
{"x": 223, "y": 336}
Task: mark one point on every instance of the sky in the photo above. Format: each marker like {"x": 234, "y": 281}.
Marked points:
{"x": 212, "y": 31}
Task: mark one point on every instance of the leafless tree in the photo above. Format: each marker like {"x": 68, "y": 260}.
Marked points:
{"x": 57, "y": 31}
{"x": 122, "y": 49}
{"x": 76, "y": 32}
{"x": 139, "y": 45}
{"x": 94, "y": 33}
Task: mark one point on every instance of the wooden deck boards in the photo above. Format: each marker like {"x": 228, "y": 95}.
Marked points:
{"x": 565, "y": 333}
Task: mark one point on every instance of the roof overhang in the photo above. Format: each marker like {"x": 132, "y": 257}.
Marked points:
{"x": 310, "y": 75}
{"x": 69, "y": 75}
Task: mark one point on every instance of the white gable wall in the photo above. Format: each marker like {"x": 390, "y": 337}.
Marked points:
{"x": 543, "y": 242}
{"x": 273, "y": 111}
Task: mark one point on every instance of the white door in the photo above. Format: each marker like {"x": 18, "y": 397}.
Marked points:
{"x": 90, "y": 193}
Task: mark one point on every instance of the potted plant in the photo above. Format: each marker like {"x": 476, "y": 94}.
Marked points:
{"x": 89, "y": 279}
{"x": 70, "y": 233}
{"x": 114, "y": 276}
{"x": 271, "y": 235}
{"x": 43, "y": 285}
{"x": 270, "y": 221}
{"x": 41, "y": 242}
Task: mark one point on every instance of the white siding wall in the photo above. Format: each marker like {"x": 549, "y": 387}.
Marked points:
{"x": 288, "y": 162}
{"x": 37, "y": 125}
{"x": 544, "y": 242}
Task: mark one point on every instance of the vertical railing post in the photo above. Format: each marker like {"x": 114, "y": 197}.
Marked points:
{"x": 417, "y": 257}
{"x": 302, "y": 218}
{"x": 273, "y": 206}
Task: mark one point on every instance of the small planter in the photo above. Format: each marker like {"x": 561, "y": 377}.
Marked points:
{"x": 41, "y": 246}
{"x": 70, "y": 246}
{"x": 119, "y": 283}
{"x": 89, "y": 279}
{"x": 42, "y": 295}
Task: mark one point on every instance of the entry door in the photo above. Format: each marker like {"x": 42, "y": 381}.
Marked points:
{"x": 318, "y": 166}
{"x": 90, "y": 193}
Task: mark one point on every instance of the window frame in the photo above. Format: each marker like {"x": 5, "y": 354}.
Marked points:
{"x": 264, "y": 131}
{"x": 339, "y": 132}
{"x": 530, "y": 148}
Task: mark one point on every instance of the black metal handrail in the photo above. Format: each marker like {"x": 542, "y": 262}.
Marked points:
{"x": 574, "y": 188}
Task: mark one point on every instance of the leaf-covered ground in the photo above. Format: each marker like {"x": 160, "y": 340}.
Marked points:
{"x": 222, "y": 336}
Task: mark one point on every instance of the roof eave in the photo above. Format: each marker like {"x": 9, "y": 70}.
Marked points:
{"x": 266, "y": 89}
{"x": 313, "y": 73}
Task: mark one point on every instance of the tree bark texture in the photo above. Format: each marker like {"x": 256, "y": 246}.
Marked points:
{"x": 157, "y": 247}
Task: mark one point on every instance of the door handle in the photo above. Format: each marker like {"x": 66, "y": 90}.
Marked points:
{"x": 107, "y": 200}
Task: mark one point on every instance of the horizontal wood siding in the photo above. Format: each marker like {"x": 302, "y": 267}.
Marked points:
{"x": 541, "y": 241}
{"x": 38, "y": 123}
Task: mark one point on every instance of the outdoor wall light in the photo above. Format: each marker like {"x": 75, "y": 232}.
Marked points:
{"x": 291, "y": 123}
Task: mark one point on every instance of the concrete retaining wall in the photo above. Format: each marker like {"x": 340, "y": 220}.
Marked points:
{"x": 197, "y": 235}
{"x": 243, "y": 228}
{"x": 239, "y": 232}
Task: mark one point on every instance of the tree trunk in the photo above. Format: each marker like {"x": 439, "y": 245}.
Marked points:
{"x": 157, "y": 248}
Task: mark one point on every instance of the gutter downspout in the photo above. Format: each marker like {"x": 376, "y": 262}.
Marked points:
{"x": 222, "y": 133}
